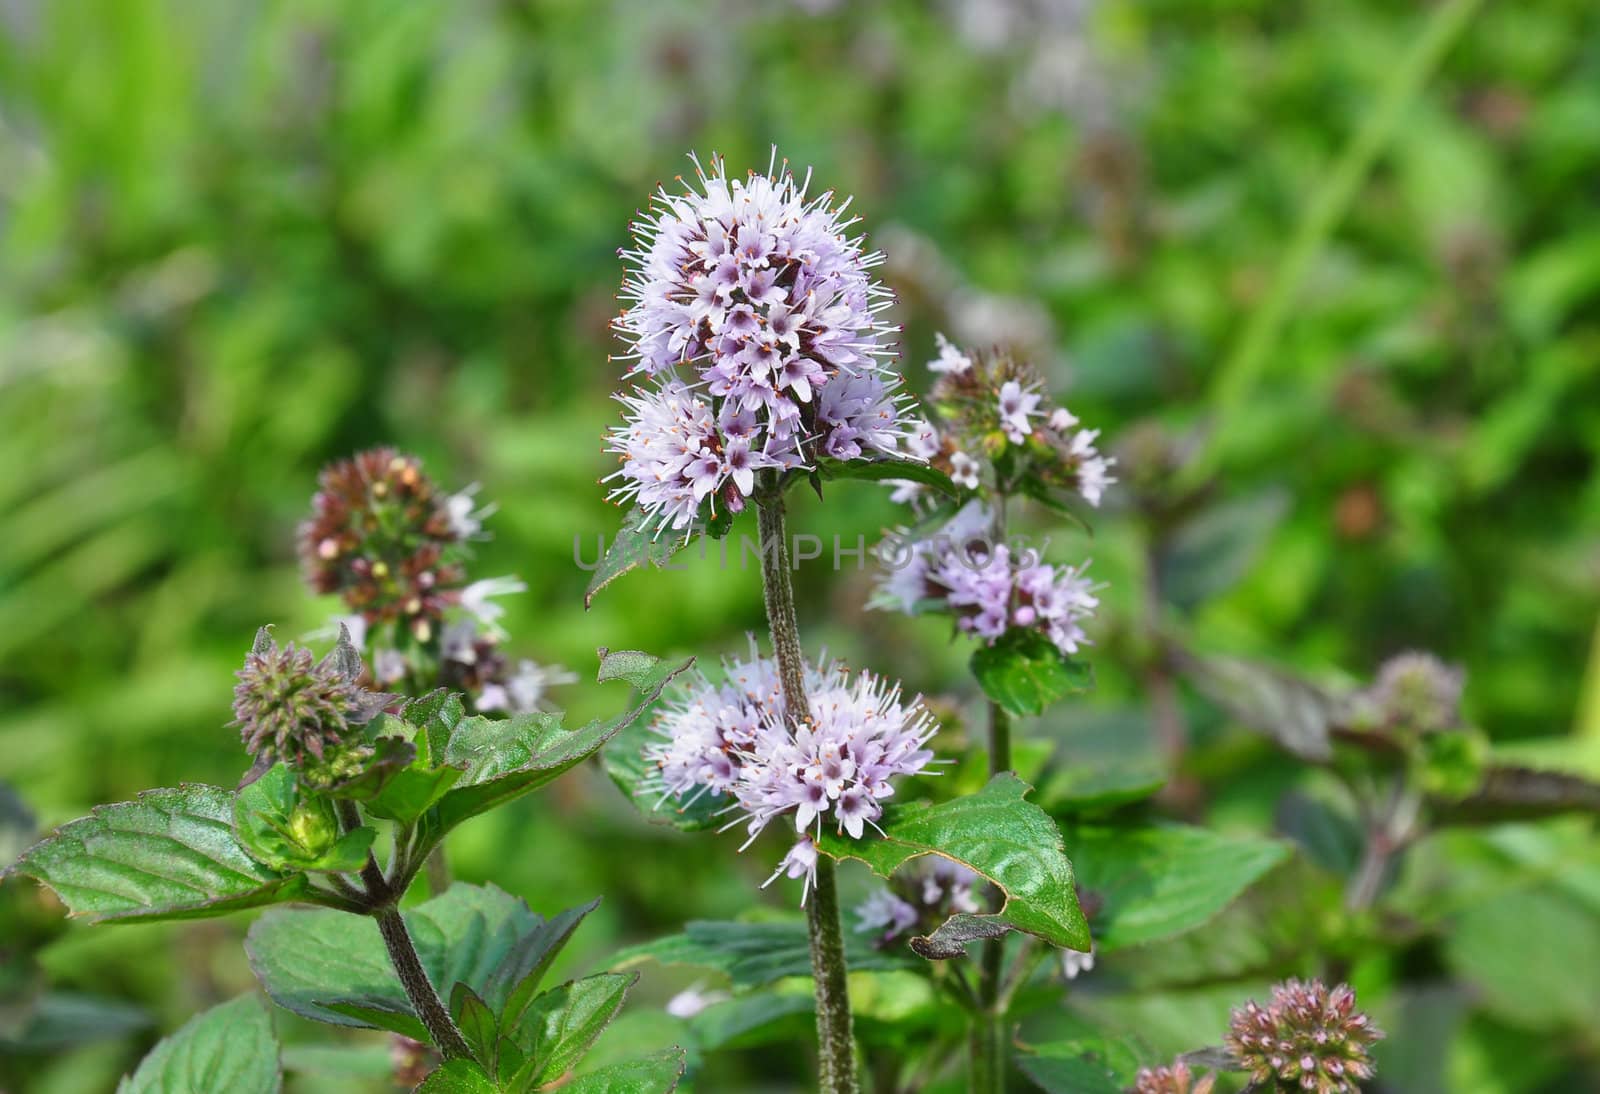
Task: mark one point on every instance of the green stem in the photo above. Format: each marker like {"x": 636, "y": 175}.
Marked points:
{"x": 1242, "y": 368}
{"x": 986, "y": 1045}
{"x": 835, "y": 1037}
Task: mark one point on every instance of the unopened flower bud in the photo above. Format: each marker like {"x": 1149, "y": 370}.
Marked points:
{"x": 1307, "y": 1038}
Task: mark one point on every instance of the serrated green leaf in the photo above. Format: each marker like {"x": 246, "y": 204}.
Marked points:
{"x": 640, "y": 541}
{"x": 1024, "y": 672}
{"x": 1158, "y": 881}
{"x": 562, "y": 1023}
{"x": 657, "y": 1073}
{"x": 458, "y": 1077}
{"x": 888, "y": 468}
{"x": 229, "y": 1047}
{"x": 287, "y": 829}
{"x": 752, "y": 954}
{"x": 998, "y": 834}
{"x": 332, "y": 967}
{"x": 503, "y": 759}
{"x": 171, "y": 854}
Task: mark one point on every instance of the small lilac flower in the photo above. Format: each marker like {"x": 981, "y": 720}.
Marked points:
{"x": 735, "y": 741}
{"x": 964, "y": 471}
{"x": 1417, "y": 691}
{"x": 950, "y": 359}
{"x": 885, "y": 915}
{"x": 919, "y": 898}
{"x": 478, "y": 599}
{"x": 1016, "y": 407}
{"x": 1074, "y": 963}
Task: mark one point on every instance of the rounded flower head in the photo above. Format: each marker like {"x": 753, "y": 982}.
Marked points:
{"x": 757, "y": 292}
{"x": 290, "y": 708}
{"x": 381, "y": 535}
{"x": 1307, "y": 1037}
{"x": 1419, "y": 692}
{"x": 1176, "y": 1079}
{"x": 736, "y": 740}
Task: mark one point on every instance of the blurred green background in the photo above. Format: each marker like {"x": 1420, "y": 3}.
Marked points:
{"x": 241, "y": 238}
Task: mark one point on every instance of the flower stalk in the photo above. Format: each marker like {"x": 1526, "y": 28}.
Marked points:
{"x": 835, "y": 1037}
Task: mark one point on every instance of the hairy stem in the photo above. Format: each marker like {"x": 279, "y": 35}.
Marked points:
{"x": 419, "y": 989}
{"x": 835, "y": 1038}
{"x": 986, "y": 1040}
{"x": 986, "y": 1043}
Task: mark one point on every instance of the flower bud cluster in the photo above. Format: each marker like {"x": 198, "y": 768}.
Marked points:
{"x": 302, "y": 712}
{"x": 993, "y": 414}
{"x": 1173, "y": 1079}
{"x": 1308, "y": 1037}
{"x": 394, "y": 547}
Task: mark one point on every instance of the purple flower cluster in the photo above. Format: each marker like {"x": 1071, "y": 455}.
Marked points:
{"x": 990, "y": 588}
{"x": 759, "y": 292}
{"x": 1174, "y": 1079}
{"x": 736, "y": 739}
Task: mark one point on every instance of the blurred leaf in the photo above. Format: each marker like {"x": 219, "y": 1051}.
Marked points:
{"x": 1519, "y": 793}
{"x": 286, "y": 829}
{"x": 1293, "y": 711}
{"x": 1025, "y": 672}
{"x": 1106, "y": 757}
{"x": 996, "y": 833}
{"x": 332, "y": 967}
{"x": 1212, "y": 550}
{"x": 1080, "y": 1066}
{"x": 1157, "y": 881}
{"x": 58, "y": 1020}
{"x": 229, "y": 1047}
{"x": 172, "y": 854}
{"x": 756, "y": 1019}
{"x": 1532, "y": 955}
{"x": 657, "y": 1073}
{"x": 18, "y": 829}
{"x": 751, "y": 954}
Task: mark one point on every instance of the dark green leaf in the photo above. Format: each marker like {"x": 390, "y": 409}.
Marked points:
{"x": 287, "y": 829}
{"x": 751, "y": 954}
{"x": 755, "y": 1019}
{"x": 1024, "y": 672}
{"x": 1105, "y": 758}
{"x": 1532, "y": 955}
{"x": 562, "y": 1023}
{"x": 887, "y": 469}
{"x": 172, "y": 854}
{"x": 997, "y": 833}
{"x": 657, "y": 1073}
{"x": 1157, "y": 881}
{"x": 458, "y": 1077}
{"x": 332, "y": 967}
{"x": 230, "y": 1047}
